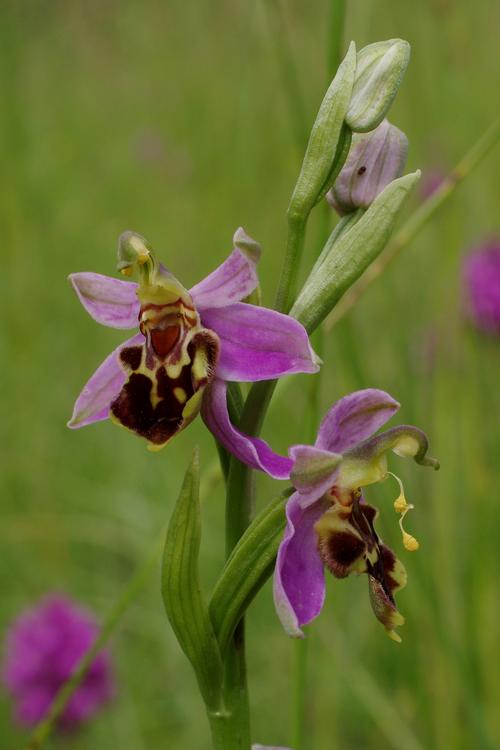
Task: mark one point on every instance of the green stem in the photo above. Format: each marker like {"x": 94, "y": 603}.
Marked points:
{"x": 261, "y": 393}
{"x": 235, "y": 408}
{"x": 44, "y": 729}
{"x": 300, "y": 648}
{"x": 239, "y": 508}
{"x": 240, "y": 481}
{"x": 416, "y": 222}
{"x": 287, "y": 286}
{"x": 231, "y": 731}
{"x": 240, "y": 498}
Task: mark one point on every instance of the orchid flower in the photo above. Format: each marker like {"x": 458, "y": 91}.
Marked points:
{"x": 328, "y": 522}
{"x": 188, "y": 345}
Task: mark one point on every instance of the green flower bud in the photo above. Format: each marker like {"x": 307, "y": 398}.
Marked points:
{"x": 379, "y": 70}
{"x": 375, "y": 160}
{"x": 327, "y": 141}
{"x": 352, "y": 252}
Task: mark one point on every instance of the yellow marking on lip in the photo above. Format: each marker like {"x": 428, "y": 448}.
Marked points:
{"x": 181, "y": 395}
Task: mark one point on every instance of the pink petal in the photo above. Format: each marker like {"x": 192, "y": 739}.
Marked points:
{"x": 299, "y": 582}
{"x": 250, "y": 451}
{"x": 109, "y": 301}
{"x": 355, "y": 418}
{"x": 232, "y": 281}
{"x": 258, "y": 343}
{"x": 92, "y": 405}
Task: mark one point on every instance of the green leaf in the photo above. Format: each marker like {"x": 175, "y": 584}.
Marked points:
{"x": 351, "y": 253}
{"x": 181, "y": 589}
{"x": 247, "y": 569}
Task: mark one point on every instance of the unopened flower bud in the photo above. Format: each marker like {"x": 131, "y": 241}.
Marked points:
{"x": 375, "y": 159}
{"x": 379, "y": 71}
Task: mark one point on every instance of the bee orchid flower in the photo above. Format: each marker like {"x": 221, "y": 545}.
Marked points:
{"x": 328, "y": 522}
{"x": 189, "y": 344}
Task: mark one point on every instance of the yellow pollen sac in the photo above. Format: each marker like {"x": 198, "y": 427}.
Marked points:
{"x": 409, "y": 542}
{"x": 128, "y": 271}
{"x": 181, "y": 395}
{"x": 402, "y": 506}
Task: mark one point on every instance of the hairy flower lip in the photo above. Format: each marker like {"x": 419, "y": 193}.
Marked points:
{"x": 256, "y": 343}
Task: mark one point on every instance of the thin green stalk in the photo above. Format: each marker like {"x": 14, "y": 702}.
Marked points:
{"x": 416, "y": 222}
{"x": 240, "y": 480}
{"x": 299, "y": 698}
{"x": 301, "y": 646}
{"x": 240, "y": 489}
{"x": 300, "y": 688}
{"x": 261, "y": 393}
{"x": 233, "y": 729}
{"x": 45, "y": 728}
{"x": 287, "y": 286}
{"x": 235, "y": 408}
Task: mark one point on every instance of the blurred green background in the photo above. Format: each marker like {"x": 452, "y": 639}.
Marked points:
{"x": 173, "y": 119}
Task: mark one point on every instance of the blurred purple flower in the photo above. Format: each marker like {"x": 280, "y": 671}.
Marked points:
{"x": 481, "y": 274}
{"x": 43, "y": 646}
{"x": 328, "y": 522}
{"x": 268, "y": 747}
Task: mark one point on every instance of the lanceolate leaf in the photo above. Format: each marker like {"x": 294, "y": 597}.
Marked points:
{"x": 181, "y": 589}
{"x": 247, "y": 569}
